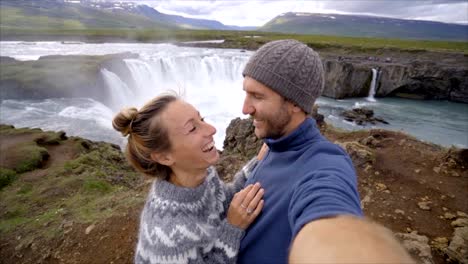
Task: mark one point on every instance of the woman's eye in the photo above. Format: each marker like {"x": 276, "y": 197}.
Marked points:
{"x": 193, "y": 129}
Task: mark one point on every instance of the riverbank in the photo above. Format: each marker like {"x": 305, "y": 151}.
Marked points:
{"x": 79, "y": 197}
{"x": 413, "y": 74}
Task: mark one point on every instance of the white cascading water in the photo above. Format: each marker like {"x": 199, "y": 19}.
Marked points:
{"x": 210, "y": 79}
{"x": 371, "y": 95}
{"x": 212, "y": 83}
{"x": 118, "y": 90}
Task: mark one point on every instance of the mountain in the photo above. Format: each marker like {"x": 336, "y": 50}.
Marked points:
{"x": 184, "y": 22}
{"x": 364, "y": 26}
{"x": 180, "y": 21}
{"x": 49, "y": 14}
{"x": 85, "y": 14}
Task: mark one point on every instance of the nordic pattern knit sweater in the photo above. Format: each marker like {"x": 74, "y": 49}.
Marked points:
{"x": 189, "y": 225}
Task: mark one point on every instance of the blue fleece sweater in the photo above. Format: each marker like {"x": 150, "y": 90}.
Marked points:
{"x": 305, "y": 178}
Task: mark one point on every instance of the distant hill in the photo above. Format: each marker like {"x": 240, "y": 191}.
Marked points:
{"x": 364, "y": 26}
{"x": 184, "y": 22}
{"x": 57, "y": 14}
{"x": 48, "y": 14}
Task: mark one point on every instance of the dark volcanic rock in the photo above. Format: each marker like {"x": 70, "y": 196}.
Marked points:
{"x": 362, "y": 116}
{"x": 410, "y": 79}
{"x": 240, "y": 138}
{"x": 240, "y": 145}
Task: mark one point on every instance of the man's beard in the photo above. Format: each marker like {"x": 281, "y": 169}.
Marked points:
{"x": 276, "y": 122}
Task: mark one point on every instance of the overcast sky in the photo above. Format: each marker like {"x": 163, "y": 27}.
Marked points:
{"x": 257, "y": 13}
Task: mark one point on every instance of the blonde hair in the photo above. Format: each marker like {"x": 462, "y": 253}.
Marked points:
{"x": 146, "y": 134}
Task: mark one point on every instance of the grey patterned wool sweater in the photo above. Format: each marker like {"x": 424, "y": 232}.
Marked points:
{"x": 189, "y": 225}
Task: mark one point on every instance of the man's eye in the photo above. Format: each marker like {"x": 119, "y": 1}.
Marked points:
{"x": 193, "y": 129}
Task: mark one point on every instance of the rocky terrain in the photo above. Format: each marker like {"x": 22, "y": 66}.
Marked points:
{"x": 75, "y": 197}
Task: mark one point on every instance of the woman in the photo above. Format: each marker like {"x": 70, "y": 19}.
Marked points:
{"x": 189, "y": 216}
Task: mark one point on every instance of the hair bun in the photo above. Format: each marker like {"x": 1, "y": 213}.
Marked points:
{"x": 123, "y": 120}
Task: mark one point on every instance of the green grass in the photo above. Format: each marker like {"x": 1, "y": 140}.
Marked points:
{"x": 52, "y": 21}
{"x": 17, "y": 17}
{"x": 9, "y": 224}
{"x": 25, "y": 189}
{"x": 237, "y": 38}
{"x": 351, "y": 27}
{"x": 378, "y": 43}
{"x": 7, "y": 176}
{"x": 94, "y": 186}
{"x": 30, "y": 156}
{"x": 11, "y": 130}
{"x": 97, "y": 186}
{"x": 70, "y": 17}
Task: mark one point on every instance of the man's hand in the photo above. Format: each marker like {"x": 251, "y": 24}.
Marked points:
{"x": 346, "y": 239}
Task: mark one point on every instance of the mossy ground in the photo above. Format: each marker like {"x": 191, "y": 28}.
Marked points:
{"x": 95, "y": 184}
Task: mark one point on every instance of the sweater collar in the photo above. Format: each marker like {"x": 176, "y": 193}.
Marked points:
{"x": 305, "y": 132}
{"x": 169, "y": 191}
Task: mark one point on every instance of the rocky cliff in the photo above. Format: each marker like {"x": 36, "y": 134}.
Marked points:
{"x": 408, "y": 73}
{"x": 61, "y": 76}
{"x": 424, "y": 75}
{"x": 413, "y": 77}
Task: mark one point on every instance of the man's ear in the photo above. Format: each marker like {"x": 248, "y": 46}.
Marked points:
{"x": 296, "y": 109}
{"x": 162, "y": 158}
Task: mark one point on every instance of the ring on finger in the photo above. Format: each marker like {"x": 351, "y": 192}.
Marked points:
{"x": 249, "y": 211}
{"x": 243, "y": 206}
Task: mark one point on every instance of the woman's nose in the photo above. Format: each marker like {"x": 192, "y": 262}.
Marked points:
{"x": 211, "y": 130}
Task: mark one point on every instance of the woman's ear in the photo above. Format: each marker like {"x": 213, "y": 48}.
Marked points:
{"x": 162, "y": 158}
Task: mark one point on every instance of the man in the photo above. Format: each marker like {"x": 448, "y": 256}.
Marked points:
{"x": 309, "y": 182}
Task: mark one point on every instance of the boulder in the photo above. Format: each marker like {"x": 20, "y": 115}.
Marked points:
{"x": 458, "y": 247}
{"x": 362, "y": 116}
{"x": 417, "y": 246}
{"x": 360, "y": 154}
{"x": 240, "y": 145}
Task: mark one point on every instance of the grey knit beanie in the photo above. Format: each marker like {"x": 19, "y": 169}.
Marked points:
{"x": 291, "y": 69}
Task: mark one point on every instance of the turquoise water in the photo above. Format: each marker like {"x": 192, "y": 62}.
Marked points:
{"x": 442, "y": 122}
{"x": 212, "y": 81}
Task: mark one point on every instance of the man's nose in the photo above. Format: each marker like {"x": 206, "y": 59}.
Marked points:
{"x": 247, "y": 108}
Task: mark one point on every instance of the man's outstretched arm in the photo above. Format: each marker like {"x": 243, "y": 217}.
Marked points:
{"x": 346, "y": 239}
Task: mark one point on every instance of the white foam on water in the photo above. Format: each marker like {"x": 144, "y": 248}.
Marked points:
{"x": 211, "y": 80}
{"x": 97, "y": 112}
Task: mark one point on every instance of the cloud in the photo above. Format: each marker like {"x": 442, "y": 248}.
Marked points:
{"x": 257, "y": 13}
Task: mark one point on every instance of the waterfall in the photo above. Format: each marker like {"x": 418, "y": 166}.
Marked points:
{"x": 197, "y": 77}
{"x": 370, "y": 97}
{"x": 119, "y": 92}
{"x": 211, "y": 81}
